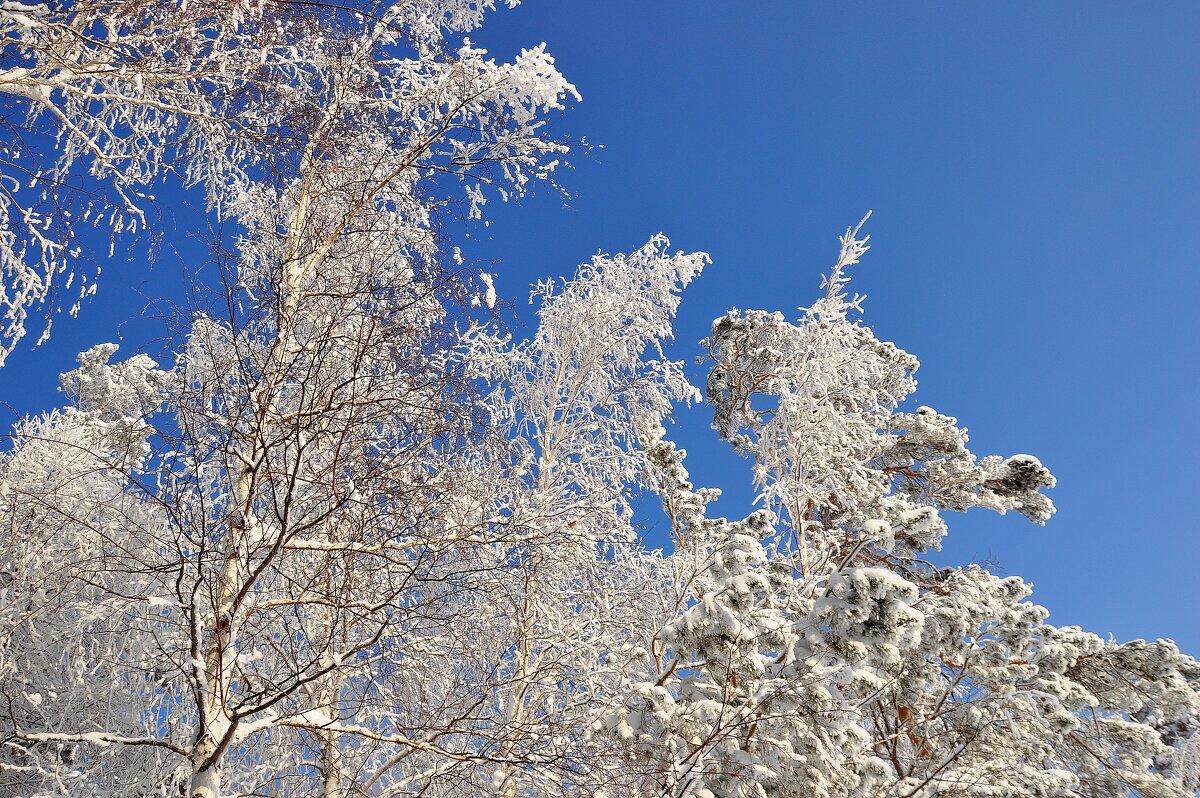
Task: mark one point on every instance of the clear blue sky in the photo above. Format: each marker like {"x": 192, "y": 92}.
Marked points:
{"x": 1035, "y": 176}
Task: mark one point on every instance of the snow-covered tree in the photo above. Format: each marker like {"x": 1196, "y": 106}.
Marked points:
{"x": 815, "y": 652}
{"x": 265, "y": 543}
{"x": 102, "y": 101}
{"x": 356, "y": 540}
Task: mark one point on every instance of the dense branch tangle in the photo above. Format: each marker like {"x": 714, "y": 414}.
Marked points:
{"x": 102, "y": 101}
{"x": 298, "y": 533}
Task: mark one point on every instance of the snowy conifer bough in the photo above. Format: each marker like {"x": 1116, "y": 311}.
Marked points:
{"x": 355, "y": 540}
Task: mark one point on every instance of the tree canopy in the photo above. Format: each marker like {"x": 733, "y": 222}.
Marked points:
{"x": 358, "y": 540}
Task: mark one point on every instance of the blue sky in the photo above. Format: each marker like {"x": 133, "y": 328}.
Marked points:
{"x": 1034, "y": 173}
